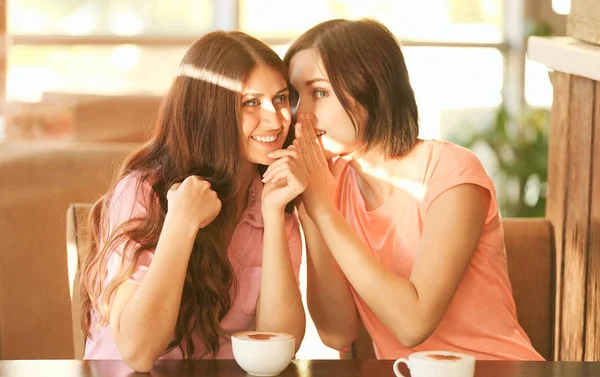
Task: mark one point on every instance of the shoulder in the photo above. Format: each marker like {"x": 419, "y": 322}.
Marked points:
{"x": 452, "y": 157}
{"x": 451, "y": 165}
{"x": 131, "y": 185}
{"x": 130, "y": 198}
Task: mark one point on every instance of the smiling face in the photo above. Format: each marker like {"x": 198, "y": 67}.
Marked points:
{"x": 316, "y": 95}
{"x": 265, "y": 114}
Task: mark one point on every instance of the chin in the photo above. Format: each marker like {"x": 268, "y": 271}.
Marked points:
{"x": 329, "y": 154}
{"x": 331, "y": 147}
{"x": 262, "y": 160}
{"x": 266, "y": 161}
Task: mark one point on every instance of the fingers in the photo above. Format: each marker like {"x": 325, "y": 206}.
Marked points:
{"x": 305, "y": 126}
{"x": 307, "y": 123}
{"x": 291, "y": 152}
{"x": 286, "y": 157}
{"x": 316, "y": 143}
{"x": 286, "y": 167}
{"x": 298, "y": 129}
{"x": 269, "y": 177}
{"x": 311, "y": 151}
{"x": 297, "y": 183}
{"x": 277, "y": 163}
{"x": 282, "y": 163}
{"x": 301, "y": 144}
{"x": 196, "y": 180}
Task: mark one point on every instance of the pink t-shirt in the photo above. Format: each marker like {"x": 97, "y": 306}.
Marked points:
{"x": 245, "y": 255}
{"x": 481, "y": 319}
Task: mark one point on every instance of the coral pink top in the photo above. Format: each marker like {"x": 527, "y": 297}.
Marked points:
{"x": 481, "y": 319}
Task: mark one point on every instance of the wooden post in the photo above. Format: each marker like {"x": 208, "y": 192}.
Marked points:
{"x": 592, "y": 315}
{"x": 557, "y": 183}
{"x": 574, "y": 209}
{"x": 577, "y": 215}
{"x": 573, "y": 204}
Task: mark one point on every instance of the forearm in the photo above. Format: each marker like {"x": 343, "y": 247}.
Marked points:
{"x": 147, "y": 321}
{"x": 280, "y": 304}
{"x": 329, "y": 297}
{"x": 393, "y": 299}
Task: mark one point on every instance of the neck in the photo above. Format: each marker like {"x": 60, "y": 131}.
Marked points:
{"x": 372, "y": 169}
{"x": 379, "y": 177}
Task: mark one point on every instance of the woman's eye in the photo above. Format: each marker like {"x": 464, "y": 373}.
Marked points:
{"x": 281, "y": 98}
{"x": 319, "y": 93}
{"x": 251, "y": 103}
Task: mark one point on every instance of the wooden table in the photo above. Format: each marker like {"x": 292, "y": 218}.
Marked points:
{"x": 300, "y": 368}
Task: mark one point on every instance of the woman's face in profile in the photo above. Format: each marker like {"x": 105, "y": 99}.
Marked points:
{"x": 314, "y": 94}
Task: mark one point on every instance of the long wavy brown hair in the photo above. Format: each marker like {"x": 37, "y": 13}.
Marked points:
{"x": 197, "y": 133}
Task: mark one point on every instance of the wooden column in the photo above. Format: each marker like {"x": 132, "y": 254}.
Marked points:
{"x": 574, "y": 209}
{"x": 557, "y": 181}
{"x": 573, "y": 204}
{"x": 592, "y": 315}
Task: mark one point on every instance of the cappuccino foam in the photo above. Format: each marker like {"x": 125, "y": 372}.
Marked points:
{"x": 441, "y": 356}
{"x": 258, "y": 336}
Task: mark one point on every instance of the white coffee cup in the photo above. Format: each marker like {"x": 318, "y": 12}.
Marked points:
{"x": 263, "y": 353}
{"x": 437, "y": 364}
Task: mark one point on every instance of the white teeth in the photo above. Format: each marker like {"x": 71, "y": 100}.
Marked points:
{"x": 265, "y": 139}
{"x": 321, "y": 133}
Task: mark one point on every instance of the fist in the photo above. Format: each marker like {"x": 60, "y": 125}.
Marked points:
{"x": 194, "y": 201}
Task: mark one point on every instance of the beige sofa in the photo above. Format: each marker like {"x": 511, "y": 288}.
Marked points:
{"x": 38, "y": 181}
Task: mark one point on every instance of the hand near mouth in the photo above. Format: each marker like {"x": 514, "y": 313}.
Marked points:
{"x": 284, "y": 179}
{"x": 319, "y": 195}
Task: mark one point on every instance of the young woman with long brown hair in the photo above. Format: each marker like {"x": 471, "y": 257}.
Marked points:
{"x": 188, "y": 247}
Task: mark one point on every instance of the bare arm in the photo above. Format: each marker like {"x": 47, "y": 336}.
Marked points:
{"x": 329, "y": 298}
{"x": 143, "y": 317}
{"x": 412, "y": 308}
{"x": 280, "y": 306}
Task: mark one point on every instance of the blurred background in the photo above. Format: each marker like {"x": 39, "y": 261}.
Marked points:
{"x": 466, "y": 60}
{"x": 95, "y": 70}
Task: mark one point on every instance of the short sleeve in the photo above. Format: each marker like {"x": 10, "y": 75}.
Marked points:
{"x": 294, "y": 243}
{"x": 454, "y": 166}
{"x": 127, "y": 202}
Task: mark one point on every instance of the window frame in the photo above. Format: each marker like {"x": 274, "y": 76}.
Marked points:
{"x": 512, "y": 48}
